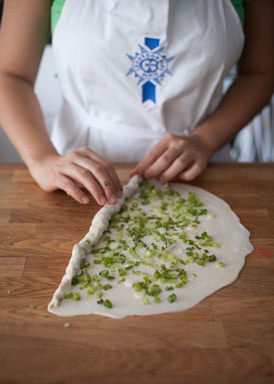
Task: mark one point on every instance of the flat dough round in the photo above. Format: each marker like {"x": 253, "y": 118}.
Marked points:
{"x": 221, "y": 224}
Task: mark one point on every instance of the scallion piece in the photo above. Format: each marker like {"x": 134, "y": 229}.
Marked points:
{"x": 90, "y": 291}
{"x": 220, "y": 264}
{"x": 96, "y": 278}
{"x": 169, "y": 288}
{"x": 107, "y": 286}
{"x": 76, "y": 296}
{"x": 157, "y": 299}
{"x": 120, "y": 281}
{"x": 69, "y": 295}
{"x": 171, "y": 298}
{"x": 108, "y": 303}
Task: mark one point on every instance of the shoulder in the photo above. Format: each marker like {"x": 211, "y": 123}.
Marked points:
{"x": 24, "y": 33}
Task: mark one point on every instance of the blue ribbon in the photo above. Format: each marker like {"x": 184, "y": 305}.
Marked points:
{"x": 149, "y": 89}
{"x": 149, "y": 92}
{"x": 151, "y": 43}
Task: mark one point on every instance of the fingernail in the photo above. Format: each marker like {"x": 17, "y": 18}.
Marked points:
{"x": 85, "y": 199}
{"x": 103, "y": 200}
{"x": 112, "y": 199}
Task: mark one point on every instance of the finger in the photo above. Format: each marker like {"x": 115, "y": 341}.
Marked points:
{"x": 192, "y": 172}
{"x": 151, "y": 156}
{"x": 92, "y": 171}
{"x": 114, "y": 177}
{"x": 79, "y": 185}
{"x": 67, "y": 185}
{"x": 162, "y": 163}
{"x": 134, "y": 172}
{"x": 115, "y": 181}
{"x": 105, "y": 181}
{"x": 84, "y": 176}
{"x": 177, "y": 167}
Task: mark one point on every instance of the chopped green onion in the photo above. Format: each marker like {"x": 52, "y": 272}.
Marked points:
{"x": 201, "y": 263}
{"x": 76, "y": 296}
{"x": 90, "y": 291}
{"x": 157, "y": 299}
{"x": 96, "y": 278}
{"x": 105, "y": 273}
{"x": 107, "y": 286}
{"x": 69, "y": 295}
{"x": 171, "y": 298}
{"x": 108, "y": 303}
{"x": 169, "y": 288}
{"x": 145, "y": 300}
{"x": 106, "y": 183}
{"x": 220, "y": 264}
{"x": 75, "y": 280}
{"x": 122, "y": 272}
{"x": 113, "y": 245}
{"x": 120, "y": 281}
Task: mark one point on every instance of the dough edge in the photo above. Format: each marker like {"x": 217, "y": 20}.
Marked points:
{"x": 99, "y": 224}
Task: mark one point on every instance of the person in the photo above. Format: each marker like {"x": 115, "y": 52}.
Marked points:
{"x": 141, "y": 82}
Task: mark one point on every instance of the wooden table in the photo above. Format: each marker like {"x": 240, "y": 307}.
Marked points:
{"x": 227, "y": 338}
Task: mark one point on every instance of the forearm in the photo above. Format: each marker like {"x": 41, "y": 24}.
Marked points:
{"x": 22, "y": 120}
{"x": 246, "y": 97}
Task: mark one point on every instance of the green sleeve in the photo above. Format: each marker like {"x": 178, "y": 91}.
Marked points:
{"x": 239, "y": 6}
{"x": 56, "y": 10}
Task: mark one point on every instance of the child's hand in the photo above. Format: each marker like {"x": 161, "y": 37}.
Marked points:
{"x": 172, "y": 156}
{"x": 81, "y": 168}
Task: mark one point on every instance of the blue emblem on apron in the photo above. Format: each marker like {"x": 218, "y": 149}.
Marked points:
{"x": 150, "y": 66}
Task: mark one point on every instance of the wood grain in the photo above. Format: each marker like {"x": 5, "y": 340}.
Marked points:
{"x": 227, "y": 338}
{"x": 12, "y": 266}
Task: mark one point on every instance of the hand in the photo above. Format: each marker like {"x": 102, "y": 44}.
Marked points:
{"x": 174, "y": 155}
{"x": 81, "y": 168}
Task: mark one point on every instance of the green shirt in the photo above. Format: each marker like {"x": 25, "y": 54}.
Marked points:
{"x": 57, "y": 6}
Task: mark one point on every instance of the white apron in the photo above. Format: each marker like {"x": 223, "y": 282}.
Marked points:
{"x": 133, "y": 70}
